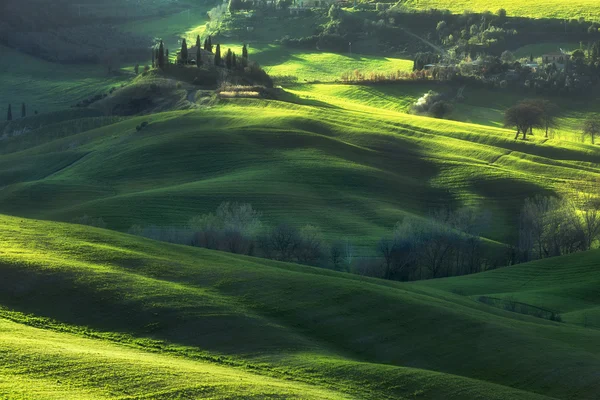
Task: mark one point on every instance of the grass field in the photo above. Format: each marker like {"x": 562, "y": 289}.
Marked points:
{"x": 162, "y": 321}
{"x": 588, "y": 9}
{"x": 46, "y": 86}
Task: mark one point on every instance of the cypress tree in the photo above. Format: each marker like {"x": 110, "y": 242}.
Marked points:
{"x": 167, "y": 56}
{"x": 9, "y": 115}
{"x": 245, "y": 52}
{"x": 184, "y": 52}
{"x": 198, "y": 41}
{"x": 198, "y": 56}
{"x": 234, "y": 61}
{"x": 161, "y": 55}
{"x": 209, "y": 47}
{"x": 229, "y": 59}
{"x": 23, "y": 111}
{"x": 205, "y": 44}
{"x": 218, "y": 55}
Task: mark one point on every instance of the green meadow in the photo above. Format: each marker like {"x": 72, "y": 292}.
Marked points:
{"x": 153, "y": 320}
{"x": 588, "y": 9}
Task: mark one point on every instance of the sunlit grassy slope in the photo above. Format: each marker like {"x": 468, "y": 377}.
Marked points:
{"x": 116, "y": 315}
{"x": 317, "y": 66}
{"x": 589, "y": 9}
{"x": 354, "y": 171}
{"x": 479, "y": 106}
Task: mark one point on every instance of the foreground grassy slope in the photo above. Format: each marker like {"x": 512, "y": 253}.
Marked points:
{"x": 306, "y": 325}
{"x": 588, "y": 9}
{"x": 354, "y": 172}
{"x": 44, "y": 364}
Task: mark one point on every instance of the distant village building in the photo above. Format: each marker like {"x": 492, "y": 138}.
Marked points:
{"x": 558, "y": 58}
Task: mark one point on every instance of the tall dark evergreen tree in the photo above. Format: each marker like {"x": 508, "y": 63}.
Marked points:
{"x": 209, "y": 47}
{"x": 218, "y": 56}
{"x": 234, "y": 61}
{"x": 161, "y": 55}
{"x": 9, "y": 114}
{"x": 198, "y": 56}
{"x": 167, "y": 56}
{"x": 184, "y": 52}
{"x": 229, "y": 59}
{"x": 23, "y": 110}
{"x": 198, "y": 41}
{"x": 205, "y": 44}
{"x": 245, "y": 52}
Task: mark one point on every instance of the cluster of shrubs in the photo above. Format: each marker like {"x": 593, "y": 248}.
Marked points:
{"x": 433, "y": 104}
{"x": 141, "y": 126}
{"x": 357, "y": 76}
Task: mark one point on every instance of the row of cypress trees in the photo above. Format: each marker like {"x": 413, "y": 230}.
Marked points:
{"x": 9, "y": 115}
{"x": 160, "y": 56}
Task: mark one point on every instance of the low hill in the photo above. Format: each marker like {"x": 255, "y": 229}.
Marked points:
{"x": 131, "y": 308}
{"x": 567, "y": 285}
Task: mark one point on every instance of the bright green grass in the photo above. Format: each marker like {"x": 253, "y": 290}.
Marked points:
{"x": 589, "y": 9}
{"x": 187, "y": 315}
{"x": 317, "y": 65}
{"x": 43, "y": 364}
{"x": 46, "y": 86}
{"x": 354, "y": 171}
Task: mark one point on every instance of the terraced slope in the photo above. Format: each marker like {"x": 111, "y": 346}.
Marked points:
{"x": 122, "y": 305}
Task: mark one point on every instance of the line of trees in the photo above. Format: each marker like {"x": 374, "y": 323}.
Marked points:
{"x": 9, "y": 114}
{"x": 446, "y": 243}
{"x": 554, "y": 226}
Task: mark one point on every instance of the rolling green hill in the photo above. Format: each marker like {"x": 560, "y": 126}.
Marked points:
{"x": 353, "y": 169}
{"x": 163, "y": 321}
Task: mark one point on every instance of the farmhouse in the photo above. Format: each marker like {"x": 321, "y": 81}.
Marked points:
{"x": 205, "y": 56}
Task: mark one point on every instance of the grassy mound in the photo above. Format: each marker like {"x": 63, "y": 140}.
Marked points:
{"x": 269, "y": 323}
